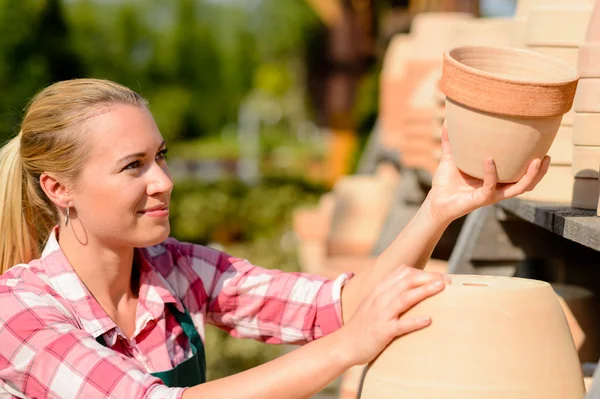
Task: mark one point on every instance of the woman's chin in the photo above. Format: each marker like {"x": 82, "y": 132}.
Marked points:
{"x": 154, "y": 235}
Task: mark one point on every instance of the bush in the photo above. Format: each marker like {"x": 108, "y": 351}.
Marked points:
{"x": 248, "y": 222}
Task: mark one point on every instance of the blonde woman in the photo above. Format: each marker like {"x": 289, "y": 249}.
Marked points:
{"x": 97, "y": 300}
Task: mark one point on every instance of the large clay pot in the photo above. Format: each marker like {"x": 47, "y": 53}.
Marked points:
{"x": 362, "y": 206}
{"x": 504, "y": 103}
{"x": 491, "y": 337}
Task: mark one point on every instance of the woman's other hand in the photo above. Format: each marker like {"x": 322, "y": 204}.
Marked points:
{"x": 379, "y": 318}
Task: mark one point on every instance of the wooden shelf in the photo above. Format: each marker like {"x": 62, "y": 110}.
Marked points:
{"x": 578, "y": 225}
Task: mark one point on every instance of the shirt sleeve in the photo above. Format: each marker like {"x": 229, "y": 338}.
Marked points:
{"x": 266, "y": 305}
{"x": 43, "y": 354}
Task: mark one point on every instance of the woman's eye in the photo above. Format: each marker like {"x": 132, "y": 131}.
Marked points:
{"x": 133, "y": 165}
{"x": 162, "y": 154}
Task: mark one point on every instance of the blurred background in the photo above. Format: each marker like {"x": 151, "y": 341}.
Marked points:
{"x": 264, "y": 103}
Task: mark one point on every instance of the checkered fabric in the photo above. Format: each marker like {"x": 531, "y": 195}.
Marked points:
{"x": 49, "y": 320}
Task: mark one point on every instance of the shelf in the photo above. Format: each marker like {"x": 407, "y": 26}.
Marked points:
{"x": 578, "y": 225}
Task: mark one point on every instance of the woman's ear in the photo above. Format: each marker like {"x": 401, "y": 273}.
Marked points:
{"x": 58, "y": 192}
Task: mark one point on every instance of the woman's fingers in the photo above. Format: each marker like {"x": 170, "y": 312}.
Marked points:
{"x": 411, "y": 297}
{"x": 485, "y": 193}
{"x": 446, "y": 152}
{"x": 407, "y": 325}
{"x": 543, "y": 170}
{"x": 512, "y": 190}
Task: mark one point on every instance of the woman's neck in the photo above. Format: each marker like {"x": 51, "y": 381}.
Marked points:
{"x": 106, "y": 272}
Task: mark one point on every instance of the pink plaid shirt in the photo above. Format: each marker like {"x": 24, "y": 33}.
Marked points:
{"x": 49, "y": 320}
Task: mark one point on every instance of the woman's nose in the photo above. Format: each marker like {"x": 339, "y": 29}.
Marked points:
{"x": 161, "y": 181}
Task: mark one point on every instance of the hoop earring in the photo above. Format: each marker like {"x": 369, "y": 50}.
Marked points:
{"x": 67, "y": 217}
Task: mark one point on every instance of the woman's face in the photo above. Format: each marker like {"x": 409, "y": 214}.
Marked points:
{"x": 122, "y": 194}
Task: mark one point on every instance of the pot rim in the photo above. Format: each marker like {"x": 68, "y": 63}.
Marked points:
{"x": 505, "y": 94}
{"x": 571, "y": 74}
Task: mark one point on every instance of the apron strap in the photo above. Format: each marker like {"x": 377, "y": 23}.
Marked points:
{"x": 191, "y": 371}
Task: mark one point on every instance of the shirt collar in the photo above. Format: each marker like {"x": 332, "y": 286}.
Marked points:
{"x": 154, "y": 290}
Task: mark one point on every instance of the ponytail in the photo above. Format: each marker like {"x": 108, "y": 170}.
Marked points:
{"x": 17, "y": 240}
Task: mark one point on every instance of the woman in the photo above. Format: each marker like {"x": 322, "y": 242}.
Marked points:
{"x": 112, "y": 307}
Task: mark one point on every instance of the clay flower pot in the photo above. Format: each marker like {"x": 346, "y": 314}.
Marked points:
{"x": 504, "y": 103}
{"x": 593, "y": 31}
{"x": 362, "y": 206}
{"x": 588, "y": 61}
{"x": 489, "y": 338}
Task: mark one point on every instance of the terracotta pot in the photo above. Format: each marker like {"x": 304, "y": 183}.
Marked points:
{"x": 489, "y": 339}
{"x": 312, "y": 256}
{"x": 586, "y": 129}
{"x": 543, "y": 21}
{"x": 583, "y": 306}
{"x": 585, "y": 193}
{"x": 506, "y": 104}
{"x": 568, "y": 118}
{"x": 432, "y": 33}
{"x": 518, "y": 34}
{"x": 362, "y": 207}
{"x": 588, "y": 61}
{"x": 586, "y": 161}
{"x": 587, "y": 98}
{"x": 311, "y": 224}
{"x": 393, "y": 87}
{"x": 556, "y": 186}
{"x": 424, "y": 95}
{"x": 525, "y": 6}
{"x": 561, "y": 150}
{"x": 593, "y": 32}
{"x": 566, "y": 54}
{"x": 484, "y": 32}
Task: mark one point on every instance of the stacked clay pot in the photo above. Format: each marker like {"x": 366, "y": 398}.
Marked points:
{"x": 431, "y": 34}
{"x": 504, "y": 103}
{"x": 346, "y": 223}
{"x": 586, "y": 130}
{"x": 393, "y": 91}
{"x": 491, "y": 337}
{"x": 362, "y": 205}
{"x": 311, "y": 227}
{"x": 557, "y": 28}
{"x": 581, "y": 309}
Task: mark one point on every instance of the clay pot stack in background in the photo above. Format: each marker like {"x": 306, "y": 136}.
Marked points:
{"x": 557, "y": 28}
{"x": 339, "y": 234}
{"x": 430, "y": 35}
{"x": 393, "y": 90}
{"x": 586, "y": 133}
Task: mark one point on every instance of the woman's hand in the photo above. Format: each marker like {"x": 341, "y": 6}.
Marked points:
{"x": 454, "y": 194}
{"x": 378, "y": 319}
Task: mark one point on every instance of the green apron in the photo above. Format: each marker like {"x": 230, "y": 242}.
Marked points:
{"x": 191, "y": 371}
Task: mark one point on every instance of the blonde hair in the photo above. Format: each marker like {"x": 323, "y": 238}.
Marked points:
{"x": 50, "y": 140}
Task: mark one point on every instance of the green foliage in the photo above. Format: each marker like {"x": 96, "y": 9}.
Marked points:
{"x": 195, "y": 60}
{"x": 251, "y": 223}
{"x": 230, "y": 211}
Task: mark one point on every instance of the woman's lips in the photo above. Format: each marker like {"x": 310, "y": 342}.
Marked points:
{"x": 156, "y": 213}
